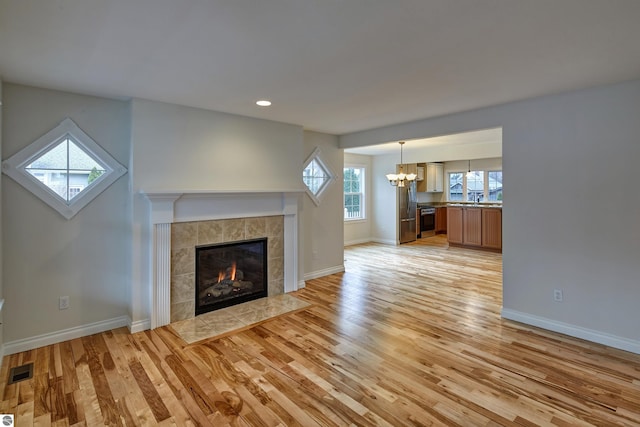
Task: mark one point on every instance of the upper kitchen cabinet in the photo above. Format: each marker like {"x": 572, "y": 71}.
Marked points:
{"x": 434, "y": 182}
{"x": 421, "y": 182}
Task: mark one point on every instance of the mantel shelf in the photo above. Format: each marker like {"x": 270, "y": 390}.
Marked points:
{"x": 169, "y": 193}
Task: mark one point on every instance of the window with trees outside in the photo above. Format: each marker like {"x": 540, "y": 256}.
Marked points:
{"x": 65, "y": 168}
{"x": 353, "y": 193}
{"x": 475, "y": 186}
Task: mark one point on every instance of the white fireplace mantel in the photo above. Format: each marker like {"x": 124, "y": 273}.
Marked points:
{"x": 169, "y": 207}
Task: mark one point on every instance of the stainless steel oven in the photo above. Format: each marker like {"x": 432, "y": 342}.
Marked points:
{"x": 427, "y": 221}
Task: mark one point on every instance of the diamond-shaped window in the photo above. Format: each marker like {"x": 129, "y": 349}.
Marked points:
{"x": 316, "y": 176}
{"x": 65, "y": 168}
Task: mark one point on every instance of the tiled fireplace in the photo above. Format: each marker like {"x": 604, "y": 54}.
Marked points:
{"x": 186, "y": 236}
{"x": 181, "y": 221}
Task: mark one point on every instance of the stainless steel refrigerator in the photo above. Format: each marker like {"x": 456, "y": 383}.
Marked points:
{"x": 407, "y": 212}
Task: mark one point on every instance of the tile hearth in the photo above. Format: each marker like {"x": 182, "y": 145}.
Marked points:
{"x": 241, "y": 316}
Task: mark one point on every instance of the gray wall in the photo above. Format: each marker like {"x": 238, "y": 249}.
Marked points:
{"x": 323, "y": 225}
{"x": 570, "y": 216}
{"x": 88, "y": 257}
{"x": 1, "y": 274}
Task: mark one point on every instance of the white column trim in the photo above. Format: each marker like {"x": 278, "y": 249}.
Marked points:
{"x": 161, "y": 311}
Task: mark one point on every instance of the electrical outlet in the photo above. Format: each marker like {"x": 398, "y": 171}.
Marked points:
{"x": 63, "y": 303}
{"x": 557, "y": 295}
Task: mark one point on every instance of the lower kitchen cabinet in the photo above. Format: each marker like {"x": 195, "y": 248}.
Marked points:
{"x": 475, "y": 227}
{"x": 472, "y": 226}
{"x": 441, "y": 220}
{"x": 492, "y": 228}
{"x": 454, "y": 225}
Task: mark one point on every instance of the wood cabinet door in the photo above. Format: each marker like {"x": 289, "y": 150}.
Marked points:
{"x": 472, "y": 227}
{"x": 492, "y": 228}
{"x": 454, "y": 225}
{"x": 441, "y": 220}
{"x": 421, "y": 185}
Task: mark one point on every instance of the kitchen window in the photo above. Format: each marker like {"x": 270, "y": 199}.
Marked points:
{"x": 495, "y": 186}
{"x": 354, "y": 193}
{"x": 456, "y": 186}
{"x": 475, "y": 186}
{"x": 478, "y": 185}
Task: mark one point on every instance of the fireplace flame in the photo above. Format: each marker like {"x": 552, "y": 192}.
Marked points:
{"x": 229, "y": 273}
{"x": 233, "y": 271}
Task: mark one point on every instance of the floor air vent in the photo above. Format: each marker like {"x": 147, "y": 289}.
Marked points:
{"x": 20, "y": 373}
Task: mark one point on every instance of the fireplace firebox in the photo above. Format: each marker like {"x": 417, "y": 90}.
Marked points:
{"x": 230, "y": 273}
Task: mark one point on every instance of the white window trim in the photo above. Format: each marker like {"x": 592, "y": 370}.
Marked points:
{"x": 364, "y": 194}
{"x": 14, "y": 167}
{"x": 315, "y": 155}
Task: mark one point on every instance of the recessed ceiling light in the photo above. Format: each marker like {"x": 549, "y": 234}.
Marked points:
{"x": 263, "y": 103}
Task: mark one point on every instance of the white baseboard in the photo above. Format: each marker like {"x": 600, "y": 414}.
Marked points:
{"x": 357, "y": 242}
{"x": 573, "y": 330}
{"x": 385, "y": 241}
{"x": 324, "y": 272}
{"x": 25, "y": 344}
{"x": 301, "y": 284}
{"x": 139, "y": 325}
{"x": 371, "y": 240}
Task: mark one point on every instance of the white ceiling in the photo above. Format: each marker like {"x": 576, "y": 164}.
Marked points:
{"x": 336, "y": 66}
{"x": 417, "y": 146}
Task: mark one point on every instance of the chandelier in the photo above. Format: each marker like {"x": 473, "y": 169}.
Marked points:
{"x": 401, "y": 178}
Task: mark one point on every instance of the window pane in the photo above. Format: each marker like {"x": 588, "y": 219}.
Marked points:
{"x": 314, "y": 176}
{"x": 455, "y": 186}
{"x": 475, "y": 186}
{"x": 80, "y": 160}
{"x": 56, "y": 158}
{"x": 495, "y": 185}
{"x": 353, "y": 193}
{"x": 66, "y": 169}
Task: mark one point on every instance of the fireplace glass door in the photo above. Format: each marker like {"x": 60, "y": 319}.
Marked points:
{"x": 230, "y": 273}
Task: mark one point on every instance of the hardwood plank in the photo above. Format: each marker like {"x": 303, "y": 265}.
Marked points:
{"x": 407, "y": 336}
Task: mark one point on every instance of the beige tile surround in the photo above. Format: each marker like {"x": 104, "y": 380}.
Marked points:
{"x": 185, "y": 236}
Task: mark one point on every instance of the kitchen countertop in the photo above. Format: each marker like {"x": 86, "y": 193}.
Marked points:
{"x": 469, "y": 205}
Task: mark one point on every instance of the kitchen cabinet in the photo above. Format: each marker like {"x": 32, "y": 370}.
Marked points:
{"x": 472, "y": 226}
{"x": 441, "y": 220}
{"x": 454, "y": 225}
{"x": 421, "y": 182}
{"x": 492, "y": 228}
{"x": 475, "y": 227}
{"x": 435, "y": 178}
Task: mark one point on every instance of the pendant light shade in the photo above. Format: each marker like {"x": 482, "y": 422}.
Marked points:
{"x": 400, "y": 179}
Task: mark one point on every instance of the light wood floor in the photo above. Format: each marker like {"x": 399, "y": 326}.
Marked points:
{"x": 407, "y": 336}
